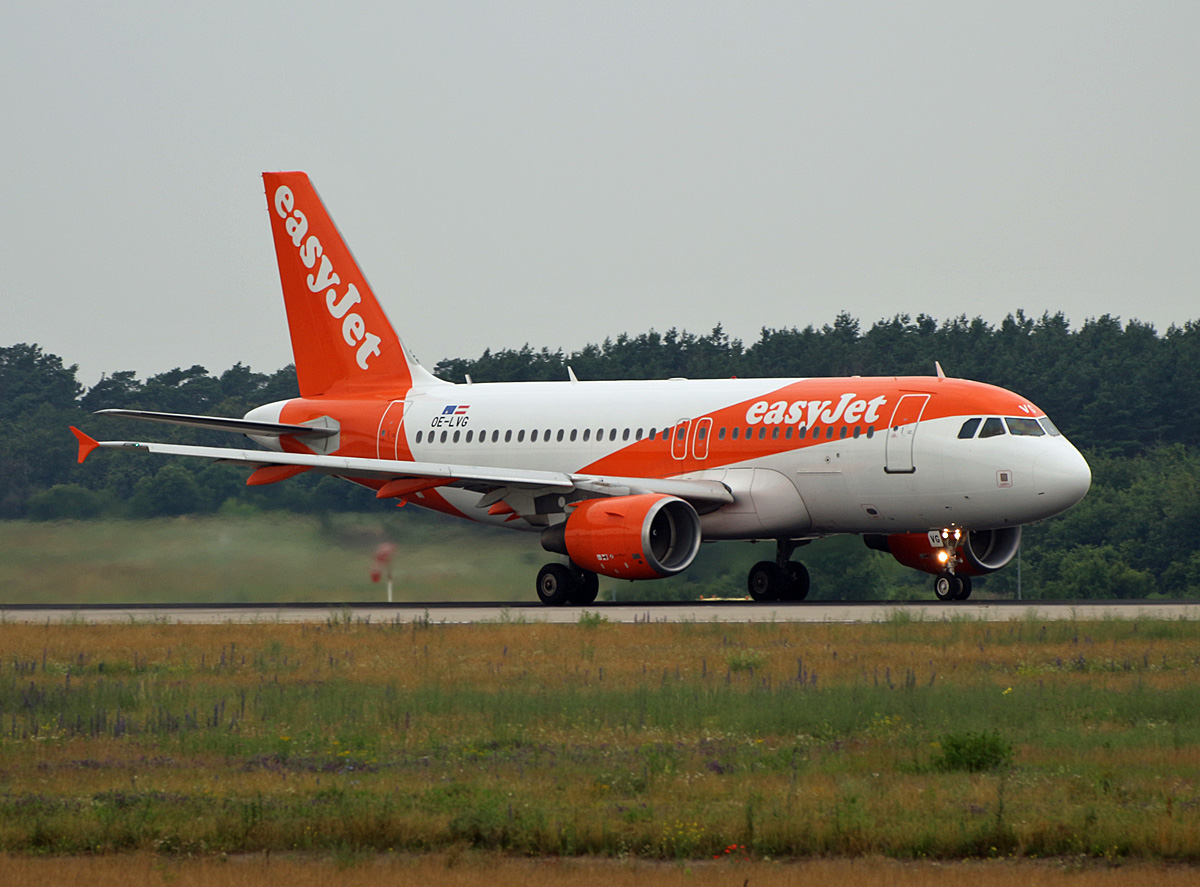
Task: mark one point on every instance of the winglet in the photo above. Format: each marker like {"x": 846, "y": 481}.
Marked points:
{"x": 86, "y": 443}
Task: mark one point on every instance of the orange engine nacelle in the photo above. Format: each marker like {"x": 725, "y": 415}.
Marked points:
{"x": 629, "y": 537}
{"x": 980, "y": 551}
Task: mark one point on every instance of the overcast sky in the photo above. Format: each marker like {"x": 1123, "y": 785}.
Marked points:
{"x": 557, "y": 173}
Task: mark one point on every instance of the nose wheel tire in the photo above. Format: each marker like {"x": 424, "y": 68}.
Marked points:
{"x": 950, "y": 587}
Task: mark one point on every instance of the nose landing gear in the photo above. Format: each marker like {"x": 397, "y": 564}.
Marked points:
{"x": 950, "y": 586}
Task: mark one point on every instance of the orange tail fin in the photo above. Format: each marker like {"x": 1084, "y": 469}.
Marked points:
{"x": 341, "y": 339}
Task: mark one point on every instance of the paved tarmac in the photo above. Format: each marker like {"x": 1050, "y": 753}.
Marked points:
{"x": 705, "y": 611}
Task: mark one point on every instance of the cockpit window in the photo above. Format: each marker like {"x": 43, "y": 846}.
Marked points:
{"x": 992, "y": 427}
{"x": 1050, "y": 427}
{"x": 968, "y": 430}
{"x": 1024, "y": 427}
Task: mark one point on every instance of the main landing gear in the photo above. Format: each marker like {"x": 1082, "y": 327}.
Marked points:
{"x": 558, "y": 585}
{"x": 952, "y": 587}
{"x": 782, "y": 580}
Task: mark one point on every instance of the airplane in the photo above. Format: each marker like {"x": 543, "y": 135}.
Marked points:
{"x": 626, "y": 479}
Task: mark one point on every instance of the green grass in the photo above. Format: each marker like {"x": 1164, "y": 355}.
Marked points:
{"x": 925, "y": 740}
{"x": 266, "y": 558}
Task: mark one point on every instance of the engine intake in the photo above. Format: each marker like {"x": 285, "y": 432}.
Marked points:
{"x": 647, "y": 536}
{"x": 981, "y": 551}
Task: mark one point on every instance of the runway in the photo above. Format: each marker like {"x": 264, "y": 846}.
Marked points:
{"x": 526, "y": 612}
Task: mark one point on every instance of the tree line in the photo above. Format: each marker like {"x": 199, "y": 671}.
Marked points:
{"x": 1127, "y": 395}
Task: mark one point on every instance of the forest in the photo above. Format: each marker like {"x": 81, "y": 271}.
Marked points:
{"x": 1125, "y": 394}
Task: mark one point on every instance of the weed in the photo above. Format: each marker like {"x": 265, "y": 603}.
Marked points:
{"x": 973, "y": 752}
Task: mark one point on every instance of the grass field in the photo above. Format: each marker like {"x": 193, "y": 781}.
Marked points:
{"x": 469, "y": 869}
{"x": 278, "y": 557}
{"x": 692, "y": 743}
{"x": 267, "y": 558}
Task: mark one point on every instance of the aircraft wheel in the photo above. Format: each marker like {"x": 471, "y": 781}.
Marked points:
{"x": 587, "y": 586}
{"x": 797, "y": 589}
{"x": 966, "y": 588}
{"x": 765, "y": 581}
{"x": 555, "y": 584}
{"x": 947, "y": 587}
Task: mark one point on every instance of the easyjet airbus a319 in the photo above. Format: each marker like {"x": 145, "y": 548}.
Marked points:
{"x": 626, "y": 479}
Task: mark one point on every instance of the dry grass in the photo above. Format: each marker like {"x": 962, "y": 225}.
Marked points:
{"x": 661, "y": 741}
{"x": 459, "y": 870}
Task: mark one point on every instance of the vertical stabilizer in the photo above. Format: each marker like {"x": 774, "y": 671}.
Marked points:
{"x": 341, "y": 339}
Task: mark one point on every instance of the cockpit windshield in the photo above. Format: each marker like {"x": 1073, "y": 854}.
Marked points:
{"x": 992, "y": 427}
{"x": 1050, "y": 427}
{"x": 1024, "y": 427}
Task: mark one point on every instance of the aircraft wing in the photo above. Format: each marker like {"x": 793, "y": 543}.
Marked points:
{"x": 480, "y": 478}
{"x": 215, "y": 423}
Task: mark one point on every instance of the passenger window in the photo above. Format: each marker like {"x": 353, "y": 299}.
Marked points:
{"x": 418, "y": 437}
{"x": 521, "y": 436}
{"x": 968, "y": 429}
{"x": 702, "y": 432}
{"x": 587, "y": 435}
{"x": 470, "y": 435}
{"x": 842, "y": 432}
{"x": 788, "y": 434}
{"x": 637, "y": 435}
{"x": 816, "y": 433}
{"x": 599, "y": 434}
{"x": 721, "y": 433}
{"x": 533, "y": 436}
{"x": 870, "y": 431}
{"x": 444, "y": 436}
{"x": 992, "y": 427}
{"x": 762, "y": 433}
{"x": 496, "y": 435}
{"x": 560, "y": 436}
{"x": 456, "y": 437}
{"x": 734, "y": 435}
{"x": 612, "y": 434}
{"x": 829, "y": 433}
{"x": 508, "y": 436}
{"x": 572, "y": 435}
{"x": 625, "y": 434}
{"x": 857, "y": 431}
{"x": 775, "y": 433}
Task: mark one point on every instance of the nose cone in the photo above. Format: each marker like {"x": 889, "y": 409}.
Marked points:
{"x": 1062, "y": 477}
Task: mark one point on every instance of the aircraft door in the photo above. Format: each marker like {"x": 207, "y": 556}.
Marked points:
{"x": 901, "y": 433}
{"x": 389, "y": 429}
{"x": 703, "y": 429}
{"x": 679, "y": 439}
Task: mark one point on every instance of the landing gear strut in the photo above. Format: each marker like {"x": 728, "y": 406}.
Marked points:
{"x": 558, "y": 584}
{"x": 781, "y": 580}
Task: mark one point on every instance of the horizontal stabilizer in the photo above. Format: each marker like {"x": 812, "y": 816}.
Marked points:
{"x": 219, "y": 423}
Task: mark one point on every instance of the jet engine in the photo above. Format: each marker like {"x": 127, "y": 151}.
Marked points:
{"x": 647, "y": 536}
{"x": 979, "y": 551}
